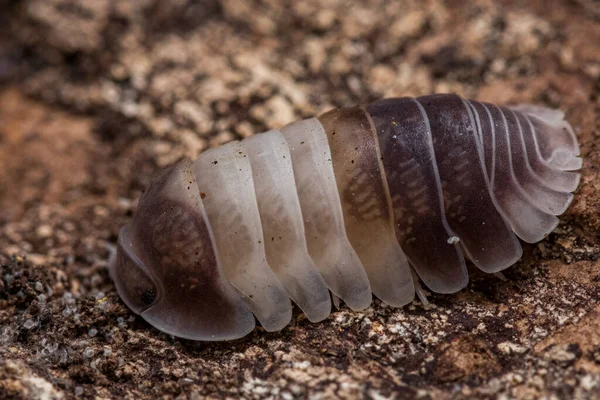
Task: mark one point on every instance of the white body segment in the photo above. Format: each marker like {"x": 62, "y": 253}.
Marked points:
{"x": 226, "y": 186}
{"x": 282, "y": 224}
{"x": 326, "y": 237}
{"x": 558, "y": 145}
{"x": 529, "y": 222}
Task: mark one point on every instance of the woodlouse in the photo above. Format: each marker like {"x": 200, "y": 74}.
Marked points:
{"x": 348, "y": 202}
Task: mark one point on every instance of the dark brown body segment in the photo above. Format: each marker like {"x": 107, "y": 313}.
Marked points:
{"x": 410, "y": 167}
{"x": 469, "y": 204}
{"x": 486, "y": 135}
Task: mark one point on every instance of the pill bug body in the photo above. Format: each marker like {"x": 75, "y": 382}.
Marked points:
{"x": 348, "y": 203}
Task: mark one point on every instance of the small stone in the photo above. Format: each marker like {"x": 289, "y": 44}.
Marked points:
{"x": 103, "y": 305}
{"x": 408, "y": 25}
{"x": 78, "y": 391}
{"x": 92, "y": 332}
{"x": 63, "y": 356}
{"x": 177, "y": 372}
{"x": 96, "y": 280}
{"x": 588, "y": 383}
{"x": 118, "y": 71}
{"x": 244, "y": 129}
{"x": 279, "y": 111}
{"x": 44, "y": 231}
{"x": 161, "y": 126}
{"x": 325, "y": 18}
{"x": 562, "y": 353}
{"x": 88, "y": 353}
{"x": 194, "y": 113}
{"x": 511, "y": 348}
{"x": 52, "y": 347}
{"x": 29, "y": 324}
{"x": 221, "y": 138}
{"x": 68, "y": 298}
{"x": 194, "y": 144}
{"x": 121, "y": 322}
{"x": 130, "y": 109}
{"x": 8, "y": 279}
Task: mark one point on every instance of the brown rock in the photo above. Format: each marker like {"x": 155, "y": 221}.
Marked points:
{"x": 465, "y": 357}
{"x": 96, "y": 96}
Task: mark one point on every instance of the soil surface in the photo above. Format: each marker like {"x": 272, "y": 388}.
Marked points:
{"x": 96, "y": 96}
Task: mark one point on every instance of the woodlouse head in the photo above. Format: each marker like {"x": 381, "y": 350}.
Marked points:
{"x": 167, "y": 270}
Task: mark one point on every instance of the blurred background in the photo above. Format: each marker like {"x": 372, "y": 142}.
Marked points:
{"x": 97, "y": 95}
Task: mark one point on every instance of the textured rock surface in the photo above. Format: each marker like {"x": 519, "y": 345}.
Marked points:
{"x": 96, "y": 96}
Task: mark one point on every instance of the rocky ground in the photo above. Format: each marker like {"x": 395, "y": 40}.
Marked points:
{"x": 98, "y": 95}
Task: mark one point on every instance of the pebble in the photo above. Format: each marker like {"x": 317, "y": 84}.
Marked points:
{"x": 52, "y": 347}
{"x": 44, "y": 231}
{"x": 510, "y": 348}
{"x": 29, "y": 324}
{"x": 325, "y": 18}
{"x": 561, "y": 353}
{"x": 68, "y": 298}
{"x": 88, "y": 353}
{"x": 195, "y": 114}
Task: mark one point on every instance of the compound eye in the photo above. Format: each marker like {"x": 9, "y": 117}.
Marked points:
{"x": 134, "y": 283}
{"x": 148, "y": 297}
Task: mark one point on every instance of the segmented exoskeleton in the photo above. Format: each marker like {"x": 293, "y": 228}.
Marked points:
{"x": 348, "y": 202}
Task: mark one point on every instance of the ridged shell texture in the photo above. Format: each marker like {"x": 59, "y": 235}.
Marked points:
{"x": 350, "y": 203}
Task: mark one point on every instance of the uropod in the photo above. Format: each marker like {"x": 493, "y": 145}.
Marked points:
{"x": 348, "y": 204}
